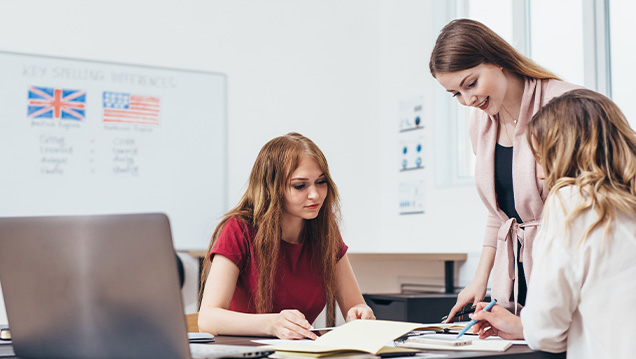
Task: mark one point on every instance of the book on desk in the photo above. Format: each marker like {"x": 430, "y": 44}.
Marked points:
{"x": 433, "y": 342}
{"x": 368, "y": 336}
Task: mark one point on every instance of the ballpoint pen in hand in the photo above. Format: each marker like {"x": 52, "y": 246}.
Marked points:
{"x": 460, "y": 313}
{"x": 473, "y": 321}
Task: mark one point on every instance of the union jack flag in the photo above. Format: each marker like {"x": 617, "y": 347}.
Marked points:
{"x": 131, "y": 108}
{"x": 48, "y": 102}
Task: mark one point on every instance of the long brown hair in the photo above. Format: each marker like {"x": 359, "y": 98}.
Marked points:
{"x": 261, "y": 208}
{"x": 463, "y": 44}
{"x": 582, "y": 139}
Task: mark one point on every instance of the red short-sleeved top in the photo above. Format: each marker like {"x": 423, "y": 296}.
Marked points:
{"x": 299, "y": 280}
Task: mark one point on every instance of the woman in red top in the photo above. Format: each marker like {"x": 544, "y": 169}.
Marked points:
{"x": 277, "y": 258}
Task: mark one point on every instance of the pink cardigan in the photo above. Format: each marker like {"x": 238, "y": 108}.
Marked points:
{"x": 529, "y": 191}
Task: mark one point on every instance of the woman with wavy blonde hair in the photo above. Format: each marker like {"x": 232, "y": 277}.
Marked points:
{"x": 584, "y": 254}
{"x": 591, "y": 146}
{"x": 277, "y": 258}
{"x": 483, "y": 71}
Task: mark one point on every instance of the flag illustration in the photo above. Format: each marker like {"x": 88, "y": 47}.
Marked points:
{"x": 48, "y": 102}
{"x": 130, "y": 108}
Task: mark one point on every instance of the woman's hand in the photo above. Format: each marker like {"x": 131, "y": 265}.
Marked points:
{"x": 476, "y": 290}
{"x": 291, "y": 324}
{"x": 499, "y": 321}
{"x": 360, "y": 311}
{"x": 473, "y": 293}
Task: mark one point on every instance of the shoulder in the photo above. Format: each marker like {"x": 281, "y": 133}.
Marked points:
{"x": 553, "y": 88}
{"x": 234, "y": 241}
{"x": 480, "y": 123}
{"x": 566, "y": 199}
{"x": 235, "y": 228}
{"x": 557, "y": 224}
{"x": 475, "y": 119}
{"x": 343, "y": 247}
{"x": 235, "y": 222}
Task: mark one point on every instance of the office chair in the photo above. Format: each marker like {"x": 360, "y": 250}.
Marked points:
{"x": 181, "y": 271}
{"x": 192, "y": 319}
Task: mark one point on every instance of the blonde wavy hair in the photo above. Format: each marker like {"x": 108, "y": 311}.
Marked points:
{"x": 582, "y": 139}
{"x": 261, "y": 208}
{"x": 463, "y": 44}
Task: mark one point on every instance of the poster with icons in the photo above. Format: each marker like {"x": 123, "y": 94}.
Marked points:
{"x": 411, "y": 196}
{"x": 411, "y": 157}
{"x": 412, "y": 152}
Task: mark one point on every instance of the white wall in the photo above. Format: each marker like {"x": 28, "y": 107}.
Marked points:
{"x": 332, "y": 70}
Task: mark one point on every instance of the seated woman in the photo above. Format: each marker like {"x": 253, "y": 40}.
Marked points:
{"x": 277, "y": 258}
{"x": 583, "y": 281}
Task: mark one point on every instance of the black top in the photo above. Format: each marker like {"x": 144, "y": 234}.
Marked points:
{"x": 506, "y": 202}
{"x": 503, "y": 182}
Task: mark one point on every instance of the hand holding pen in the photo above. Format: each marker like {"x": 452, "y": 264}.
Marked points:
{"x": 498, "y": 321}
{"x": 473, "y": 321}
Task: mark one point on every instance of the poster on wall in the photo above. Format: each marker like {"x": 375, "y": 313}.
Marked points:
{"x": 412, "y": 196}
{"x": 411, "y": 157}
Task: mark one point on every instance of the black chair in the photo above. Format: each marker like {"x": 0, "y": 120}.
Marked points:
{"x": 181, "y": 271}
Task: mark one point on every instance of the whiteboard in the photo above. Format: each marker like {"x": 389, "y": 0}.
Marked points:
{"x": 91, "y": 137}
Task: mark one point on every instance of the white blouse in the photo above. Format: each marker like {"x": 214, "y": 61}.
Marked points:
{"x": 582, "y": 298}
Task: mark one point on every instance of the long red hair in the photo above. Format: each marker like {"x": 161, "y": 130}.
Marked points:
{"x": 261, "y": 208}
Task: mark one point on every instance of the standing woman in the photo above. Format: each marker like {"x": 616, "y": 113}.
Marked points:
{"x": 277, "y": 258}
{"x": 482, "y": 70}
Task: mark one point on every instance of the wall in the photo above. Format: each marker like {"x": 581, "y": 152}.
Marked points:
{"x": 334, "y": 71}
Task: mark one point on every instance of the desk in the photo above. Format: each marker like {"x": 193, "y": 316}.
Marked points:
{"x": 514, "y": 352}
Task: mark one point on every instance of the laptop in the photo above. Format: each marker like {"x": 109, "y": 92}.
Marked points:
{"x": 103, "y": 286}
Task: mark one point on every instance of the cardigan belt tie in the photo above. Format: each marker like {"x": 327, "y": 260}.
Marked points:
{"x": 509, "y": 230}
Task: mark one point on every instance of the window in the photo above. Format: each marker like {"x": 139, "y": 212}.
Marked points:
{"x": 556, "y": 32}
{"x": 623, "y": 52}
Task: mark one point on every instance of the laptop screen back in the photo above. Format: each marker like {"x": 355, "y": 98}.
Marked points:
{"x": 92, "y": 287}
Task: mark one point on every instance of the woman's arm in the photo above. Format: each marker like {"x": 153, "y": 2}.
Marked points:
{"x": 557, "y": 278}
{"x": 216, "y": 318}
{"x": 475, "y": 291}
{"x": 348, "y": 293}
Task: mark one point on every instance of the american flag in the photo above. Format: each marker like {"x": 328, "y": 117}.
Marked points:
{"x": 130, "y": 108}
{"x": 48, "y": 102}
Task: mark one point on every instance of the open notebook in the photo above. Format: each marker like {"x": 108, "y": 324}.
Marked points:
{"x": 363, "y": 336}
{"x": 96, "y": 287}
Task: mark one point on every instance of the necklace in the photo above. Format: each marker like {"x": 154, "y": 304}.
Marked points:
{"x": 506, "y": 132}
{"x": 514, "y": 121}
{"x": 509, "y": 114}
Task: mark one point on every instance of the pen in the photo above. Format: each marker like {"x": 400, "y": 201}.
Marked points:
{"x": 473, "y": 321}
{"x": 459, "y": 314}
